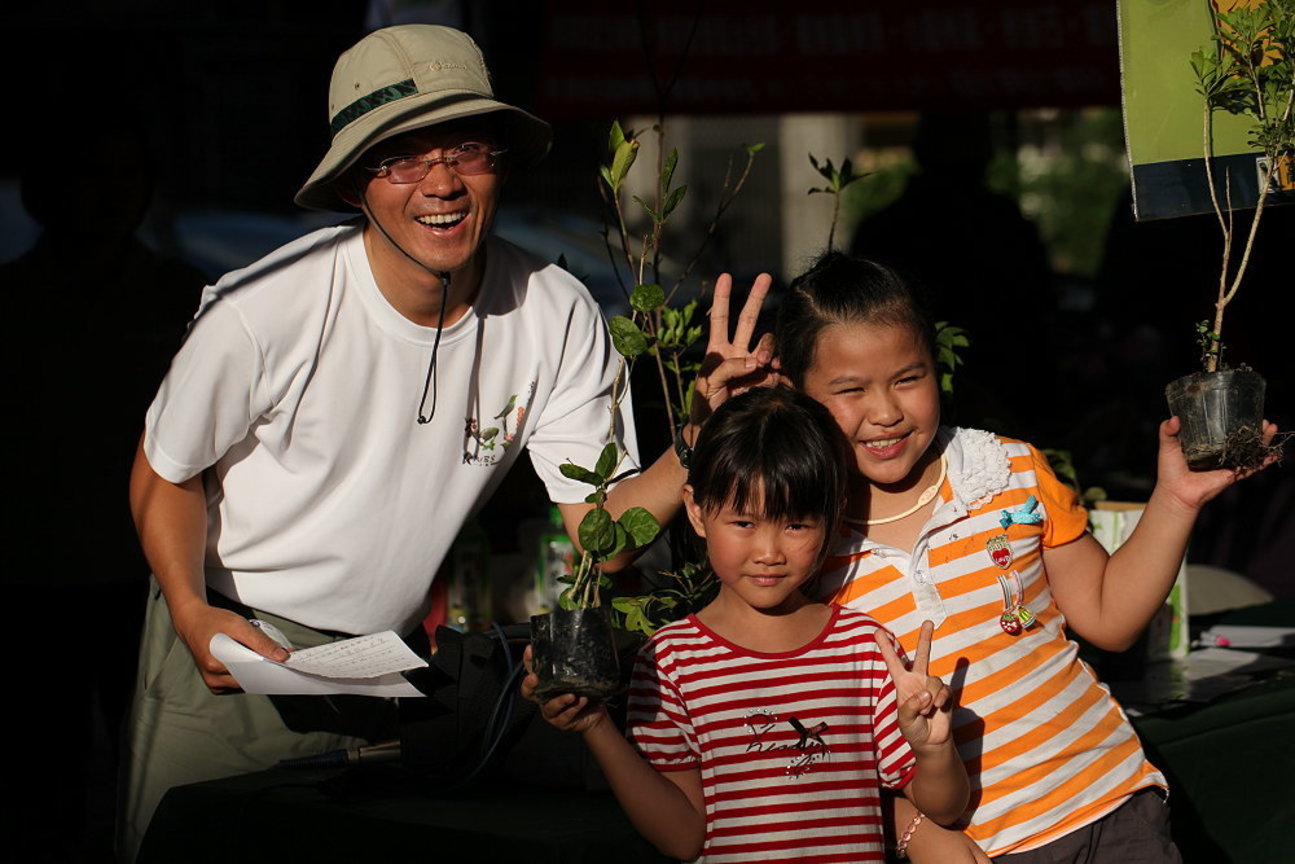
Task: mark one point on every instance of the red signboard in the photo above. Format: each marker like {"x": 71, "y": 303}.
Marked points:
{"x": 722, "y": 56}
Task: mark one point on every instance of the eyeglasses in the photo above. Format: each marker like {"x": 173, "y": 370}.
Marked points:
{"x": 467, "y": 159}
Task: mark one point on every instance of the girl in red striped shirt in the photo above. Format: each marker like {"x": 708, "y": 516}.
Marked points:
{"x": 764, "y": 726}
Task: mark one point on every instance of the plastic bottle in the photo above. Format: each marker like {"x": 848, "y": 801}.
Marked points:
{"x": 555, "y": 557}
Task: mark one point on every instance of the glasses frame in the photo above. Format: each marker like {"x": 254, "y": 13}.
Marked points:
{"x": 384, "y": 168}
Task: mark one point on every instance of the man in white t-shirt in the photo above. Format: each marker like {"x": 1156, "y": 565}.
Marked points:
{"x": 340, "y": 407}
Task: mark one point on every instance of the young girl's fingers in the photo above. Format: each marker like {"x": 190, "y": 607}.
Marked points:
{"x": 893, "y": 663}
{"x": 719, "y": 314}
{"x": 940, "y": 694}
{"x": 529, "y": 683}
{"x": 922, "y": 659}
{"x": 750, "y": 313}
{"x": 558, "y": 705}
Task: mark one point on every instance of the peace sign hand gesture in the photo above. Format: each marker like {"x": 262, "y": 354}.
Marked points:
{"x": 733, "y": 366}
{"x": 925, "y": 704}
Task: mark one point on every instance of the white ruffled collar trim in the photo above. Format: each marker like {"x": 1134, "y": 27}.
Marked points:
{"x": 978, "y": 465}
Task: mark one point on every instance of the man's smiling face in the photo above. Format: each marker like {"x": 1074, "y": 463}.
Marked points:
{"x": 442, "y": 220}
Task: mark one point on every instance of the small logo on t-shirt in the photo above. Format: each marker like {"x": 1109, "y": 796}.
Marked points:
{"x": 809, "y": 746}
{"x": 486, "y": 444}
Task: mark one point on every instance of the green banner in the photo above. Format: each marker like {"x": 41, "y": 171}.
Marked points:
{"x": 1164, "y": 116}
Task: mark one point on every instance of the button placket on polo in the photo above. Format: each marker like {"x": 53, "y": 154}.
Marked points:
{"x": 922, "y": 582}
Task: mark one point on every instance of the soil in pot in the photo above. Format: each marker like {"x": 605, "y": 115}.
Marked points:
{"x": 574, "y": 651}
{"x": 1222, "y": 418}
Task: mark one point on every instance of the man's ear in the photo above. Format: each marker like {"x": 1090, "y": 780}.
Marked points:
{"x": 349, "y": 189}
{"x": 694, "y": 511}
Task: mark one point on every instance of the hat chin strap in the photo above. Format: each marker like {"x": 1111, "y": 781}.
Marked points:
{"x": 444, "y": 275}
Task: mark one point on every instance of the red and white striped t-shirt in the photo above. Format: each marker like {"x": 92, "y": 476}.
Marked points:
{"x": 1046, "y": 747}
{"x": 793, "y": 748}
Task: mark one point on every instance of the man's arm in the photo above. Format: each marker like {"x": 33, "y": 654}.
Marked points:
{"x": 1110, "y": 600}
{"x": 731, "y": 367}
{"x": 171, "y": 519}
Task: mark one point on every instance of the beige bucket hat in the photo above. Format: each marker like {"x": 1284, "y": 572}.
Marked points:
{"x": 408, "y": 77}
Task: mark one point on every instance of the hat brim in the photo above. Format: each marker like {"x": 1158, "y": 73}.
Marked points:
{"x": 528, "y": 138}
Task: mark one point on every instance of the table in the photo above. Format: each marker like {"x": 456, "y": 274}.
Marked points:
{"x": 384, "y": 815}
{"x": 1230, "y": 763}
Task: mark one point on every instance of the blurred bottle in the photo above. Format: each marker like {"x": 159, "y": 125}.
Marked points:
{"x": 555, "y": 557}
{"x": 468, "y": 605}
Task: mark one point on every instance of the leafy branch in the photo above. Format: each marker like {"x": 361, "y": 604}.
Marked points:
{"x": 666, "y": 333}
{"x": 601, "y": 536}
{"x": 1247, "y": 71}
{"x": 837, "y": 180}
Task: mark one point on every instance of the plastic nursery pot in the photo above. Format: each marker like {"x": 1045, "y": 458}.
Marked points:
{"x": 1222, "y": 417}
{"x": 573, "y": 651}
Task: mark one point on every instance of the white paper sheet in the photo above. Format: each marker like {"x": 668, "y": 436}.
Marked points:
{"x": 1248, "y": 636}
{"x": 366, "y": 665}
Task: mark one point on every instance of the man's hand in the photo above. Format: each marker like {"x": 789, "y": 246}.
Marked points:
{"x": 197, "y": 622}
{"x": 567, "y": 712}
{"x": 1193, "y": 489}
{"x": 925, "y": 712}
{"x": 731, "y": 366}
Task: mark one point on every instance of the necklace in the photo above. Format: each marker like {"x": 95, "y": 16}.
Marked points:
{"x": 922, "y": 500}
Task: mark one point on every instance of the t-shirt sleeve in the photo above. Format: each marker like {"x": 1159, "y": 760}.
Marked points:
{"x": 659, "y": 726}
{"x": 1067, "y": 518}
{"x": 895, "y": 760}
{"x": 209, "y": 399}
{"x": 576, "y": 419}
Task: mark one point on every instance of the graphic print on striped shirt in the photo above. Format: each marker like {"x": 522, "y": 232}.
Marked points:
{"x": 793, "y": 748}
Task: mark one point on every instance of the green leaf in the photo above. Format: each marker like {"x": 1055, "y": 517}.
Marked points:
{"x": 656, "y": 217}
{"x": 606, "y": 173}
{"x": 752, "y": 149}
{"x": 673, "y": 199}
{"x": 667, "y": 170}
{"x": 597, "y": 531}
{"x": 625, "y": 154}
{"x": 488, "y": 433}
{"x": 607, "y": 461}
{"x": 621, "y": 541}
{"x": 625, "y": 604}
{"x": 629, "y": 340}
{"x": 616, "y": 138}
{"x": 647, "y": 297}
{"x": 641, "y": 525}
{"x": 572, "y": 471}
{"x": 597, "y": 497}
{"x": 508, "y": 408}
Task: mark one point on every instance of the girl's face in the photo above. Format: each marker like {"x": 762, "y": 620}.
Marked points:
{"x": 879, "y": 382}
{"x": 763, "y": 562}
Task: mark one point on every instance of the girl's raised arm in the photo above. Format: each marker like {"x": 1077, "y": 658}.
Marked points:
{"x": 1110, "y": 600}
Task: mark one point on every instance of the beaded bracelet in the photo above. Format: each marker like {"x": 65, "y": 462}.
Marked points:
{"x": 901, "y": 848}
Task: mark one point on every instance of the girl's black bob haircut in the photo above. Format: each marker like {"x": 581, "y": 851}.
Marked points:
{"x": 775, "y": 448}
{"x": 841, "y": 289}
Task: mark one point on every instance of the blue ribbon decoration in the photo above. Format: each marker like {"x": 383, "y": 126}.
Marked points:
{"x": 1027, "y": 514}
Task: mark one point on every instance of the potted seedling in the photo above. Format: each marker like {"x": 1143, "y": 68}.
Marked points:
{"x": 1246, "y": 70}
{"x": 574, "y": 649}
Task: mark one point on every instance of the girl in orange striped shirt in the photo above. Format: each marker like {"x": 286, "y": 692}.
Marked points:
{"x": 974, "y": 532}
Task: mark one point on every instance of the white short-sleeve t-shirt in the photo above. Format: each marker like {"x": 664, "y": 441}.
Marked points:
{"x": 299, "y": 386}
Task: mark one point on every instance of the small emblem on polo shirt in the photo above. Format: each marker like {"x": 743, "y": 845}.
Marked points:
{"x": 1000, "y": 550}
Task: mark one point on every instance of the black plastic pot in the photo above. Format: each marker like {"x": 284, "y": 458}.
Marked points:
{"x": 574, "y": 651}
{"x": 1222, "y": 416}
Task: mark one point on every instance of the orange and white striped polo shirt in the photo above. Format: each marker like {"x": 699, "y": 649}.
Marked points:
{"x": 1047, "y": 748}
